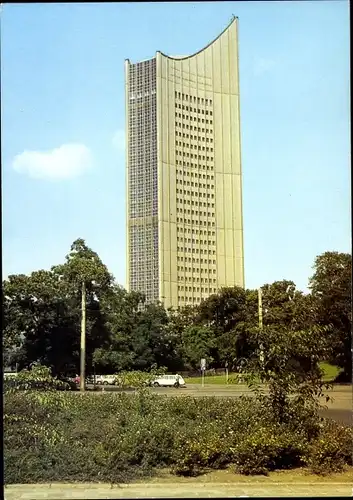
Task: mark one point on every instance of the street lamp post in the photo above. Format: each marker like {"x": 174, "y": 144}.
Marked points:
{"x": 260, "y": 308}
{"x": 83, "y": 339}
{"x": 260, "y": 324}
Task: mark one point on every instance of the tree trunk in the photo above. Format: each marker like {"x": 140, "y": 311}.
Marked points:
{"x": 83, "y": 339}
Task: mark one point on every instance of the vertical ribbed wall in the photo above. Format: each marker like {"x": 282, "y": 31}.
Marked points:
{"x": 199, "y": 169}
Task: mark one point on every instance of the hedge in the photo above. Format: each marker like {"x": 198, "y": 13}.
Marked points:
{"x": 63, "y": 436}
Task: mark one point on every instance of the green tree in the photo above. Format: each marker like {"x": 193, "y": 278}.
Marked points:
{"x": 277, "y": 302}
{"x": 237, "y": 344}
{"x": 331, "y": 286}
{"x": 84, "y": 274}
{"x": 140, "y": 337}
{"x": 198, "y": 343}
{"x": 153, "y": 326}
{"x": 223, "y": 310}
{"x": 289, "y": 366}
{"x": 38, "y": 323}
{"x": 178, "y": 321}
{"x": 251, "y": 307}
{"x": 225, "y": 314}
{"x": 284, "y": 305}
{"x": 122, "y": 311}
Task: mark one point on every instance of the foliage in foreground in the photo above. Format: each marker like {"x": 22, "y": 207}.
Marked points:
{"x": 331, "y": 288}
{"x": 60, "y": 436}
{"x": 137, "y": 379}
{"x": 37, "y": 378}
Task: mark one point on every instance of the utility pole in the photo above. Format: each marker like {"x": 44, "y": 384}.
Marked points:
{"x": 83, "y": 339}
{"x": 203, "y": 368}
{"x": 260, "y": 308}
{"x": 261, "y": 325}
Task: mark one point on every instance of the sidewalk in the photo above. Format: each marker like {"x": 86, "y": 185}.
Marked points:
{"x": 174, "y": 490}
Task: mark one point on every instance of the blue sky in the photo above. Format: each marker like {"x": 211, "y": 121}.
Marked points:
{"x": 62, "y": 90}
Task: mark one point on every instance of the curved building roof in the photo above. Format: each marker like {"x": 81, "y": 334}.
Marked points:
{"x": 182, "y": 58}
{"x": 234, "y": 18}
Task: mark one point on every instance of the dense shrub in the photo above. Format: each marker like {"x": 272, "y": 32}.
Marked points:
{"x": 199, "y": 451}
{"x": 137, "y": 379}
{"x": 62, "y": 436}
{"x": 268, "y": 449}
{"x": 37, "y": 378}
{"x": 331, "y": 450}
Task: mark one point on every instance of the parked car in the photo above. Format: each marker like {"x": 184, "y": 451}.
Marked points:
{"x": 76, "y": 380}
{"x": 90, "y": 379}
{"x": 105, "y": 379}
{"x": 72, "y": 385}
{"x": 169, "y": 381}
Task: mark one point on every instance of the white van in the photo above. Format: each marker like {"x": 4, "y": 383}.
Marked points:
{"x": 169, "y": 381}
{"x": 105, "y": 379}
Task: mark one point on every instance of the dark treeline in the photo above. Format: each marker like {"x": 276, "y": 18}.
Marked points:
{"x": 42, "y": 319}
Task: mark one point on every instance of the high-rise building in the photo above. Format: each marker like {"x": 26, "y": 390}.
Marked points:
{"x": 184, "y": 180}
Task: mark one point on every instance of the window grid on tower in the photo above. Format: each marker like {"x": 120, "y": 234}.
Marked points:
{"x": 195, "y": 196}
{"x": 142, "y": 179}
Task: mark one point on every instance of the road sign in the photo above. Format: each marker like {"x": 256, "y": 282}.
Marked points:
{"x": 203, "y": 364}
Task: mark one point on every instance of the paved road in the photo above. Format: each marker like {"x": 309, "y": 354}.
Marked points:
{"x": 343, "y": 417}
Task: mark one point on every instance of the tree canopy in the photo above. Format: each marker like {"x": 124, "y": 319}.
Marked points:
{"x": 42, "y": 314}
{"x": 331, "y": 287}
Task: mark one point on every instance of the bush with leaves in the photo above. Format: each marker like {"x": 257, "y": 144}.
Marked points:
{"x": 331, "y": 450}
{"x": 130, "y": 439}
{"x": 199, "y": 450}
{"x": 269, "y": 448}
{"x": 37, "y": 378}
{"x": 287, "y": 362}
{"x": 57, "y": 436}
{"x": 138, "y": 379}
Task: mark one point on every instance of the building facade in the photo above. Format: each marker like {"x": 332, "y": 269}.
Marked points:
{"x": 184, "y": 178}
